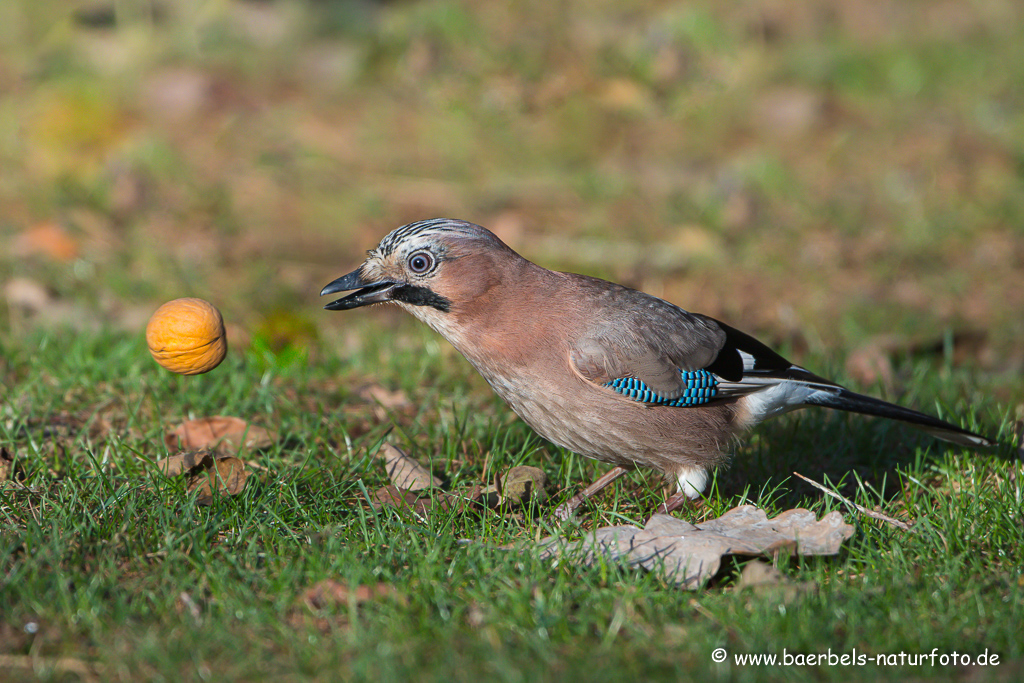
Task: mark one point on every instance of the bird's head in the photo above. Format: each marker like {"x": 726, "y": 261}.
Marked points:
{"x": 428, "y": 268}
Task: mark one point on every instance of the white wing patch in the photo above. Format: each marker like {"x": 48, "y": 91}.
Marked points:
{"x": 776, "y": 395}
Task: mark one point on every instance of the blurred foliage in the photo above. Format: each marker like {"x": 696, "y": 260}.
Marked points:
{"x": 829, "y": 170}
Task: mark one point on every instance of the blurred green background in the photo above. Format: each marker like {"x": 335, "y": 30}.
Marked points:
{"x": 824, "y": 173}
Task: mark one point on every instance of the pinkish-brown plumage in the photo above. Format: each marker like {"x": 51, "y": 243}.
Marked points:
{"x": 551, "y": 344}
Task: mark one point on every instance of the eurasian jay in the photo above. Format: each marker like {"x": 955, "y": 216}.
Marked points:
{"x": 603, "y": 370}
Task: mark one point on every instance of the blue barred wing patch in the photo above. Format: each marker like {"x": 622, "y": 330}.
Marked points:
{"x": 701, "y": 387}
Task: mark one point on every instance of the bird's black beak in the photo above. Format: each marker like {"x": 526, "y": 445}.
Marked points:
{"x": 368, "y": 292}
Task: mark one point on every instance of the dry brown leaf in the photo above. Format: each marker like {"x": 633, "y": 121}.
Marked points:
{"x": 757, "y": 573}
{"x": 624, "y": 94}
{"x": 386, "y": 398}
{"x": 392, "y": 496}
{"x": 329, "y": 593}
{"x": 485, "y": 496}
{"x": 175, "y": 464}
{"x": 521, "y": 485}
{"x": 28, "y": 300}
{"x": 423, "y": 504}
{"x": 689, "y": 555}
{"x": 6, "y": 464}
{"x": 405, "y": 472}
{"x": 207, "y": 471}
{"x": 771, "y": 584}
{"x": 223, "y": 433}
{"x": 226, "y": 476}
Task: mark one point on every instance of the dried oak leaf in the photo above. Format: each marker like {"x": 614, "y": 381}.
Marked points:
{"x": 757, "y": 573}
{"x": 483, "y": 496}
{"x": 207, "y": 471}
{"x": 689, "y": 555}
{"x": 226, "y": 476}
{"x": 222, "y": 433}
{"x": 405, "y": 472}
{"x": 521, "y": 485}
{"x": 6, "y": 463}
{"x": 422, "y": 504}
{"x": 184, "y": 461}
{"x": 769, "y": 583}
{"x": 393, "y": 496}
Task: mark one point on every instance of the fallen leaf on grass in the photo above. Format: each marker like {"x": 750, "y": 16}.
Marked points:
{"x": 6, "y": 464}
{"x": 517, "y": 487}
{"x": 521, "y": 485}
{"x": 393, "y": 496}
{"x": 226, "y": 476}
{"x": 689, "y": 555}
{"x": 222, "y": 433}
{"x": 405, "y": 472}
{"x": 484, "y": 496}
{"x": 757, "y": 573}
{"x": 421, "y": 503}
{"x": 328, "y": 593}
{"x": 206, "y": 472}
{"x": 175, "y": 464}
{"x": 768, "y": 582}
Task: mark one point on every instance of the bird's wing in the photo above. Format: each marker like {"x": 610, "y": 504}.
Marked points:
{"x": 649, "y": 342}
{"x": 657, "y": 353}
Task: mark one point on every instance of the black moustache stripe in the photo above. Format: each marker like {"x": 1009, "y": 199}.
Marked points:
{"x": 420, "y": 296}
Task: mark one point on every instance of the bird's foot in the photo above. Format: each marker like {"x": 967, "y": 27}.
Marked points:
{"x": 565, "y": 511}
{"x": 675, "y": 502}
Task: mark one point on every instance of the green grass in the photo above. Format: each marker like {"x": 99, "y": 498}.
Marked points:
{"x": 109, "y": 565}
{"x": 820, "y": 174}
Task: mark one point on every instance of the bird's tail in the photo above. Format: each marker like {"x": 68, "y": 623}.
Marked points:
{"x": 844, "y": 399}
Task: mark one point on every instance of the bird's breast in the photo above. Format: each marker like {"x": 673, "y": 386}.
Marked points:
{"x": 596, "y": 422}
{"x": 526, "y": 361}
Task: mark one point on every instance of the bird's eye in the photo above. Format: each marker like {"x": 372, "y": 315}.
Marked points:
{"x": 421, "y": 262}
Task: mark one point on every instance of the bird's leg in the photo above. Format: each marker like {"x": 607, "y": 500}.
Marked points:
{"x": 566, "y": 509}
{"x": 673, "y": 503}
